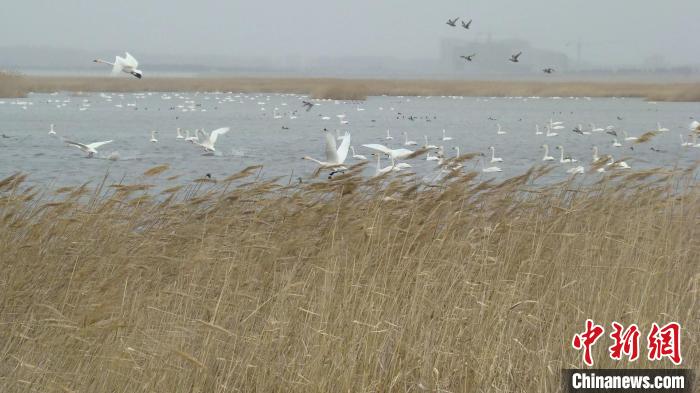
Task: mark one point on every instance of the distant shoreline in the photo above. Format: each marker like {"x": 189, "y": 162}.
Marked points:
{"x": 350, "y": 89}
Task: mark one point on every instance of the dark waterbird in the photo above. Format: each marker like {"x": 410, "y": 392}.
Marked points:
{"x": 469, "y": 58}
{"x": 452, "y": 22}
{"x": 467, "y": 24}
{"x": 514, "y": 58}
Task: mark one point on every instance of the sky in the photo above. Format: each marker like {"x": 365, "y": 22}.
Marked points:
{"x": 612, "y": 32}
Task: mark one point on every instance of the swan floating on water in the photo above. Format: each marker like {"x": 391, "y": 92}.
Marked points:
{"x": 546, "y": 157}
{"x": 357, "y": 156}
{"x": 493, "y": 155}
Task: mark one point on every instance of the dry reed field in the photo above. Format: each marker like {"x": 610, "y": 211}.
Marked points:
{"x": 352, "y": 285}
{"x": 350, "y": 89}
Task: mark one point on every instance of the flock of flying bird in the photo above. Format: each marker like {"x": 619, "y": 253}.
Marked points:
{"x": 515, "y": 58}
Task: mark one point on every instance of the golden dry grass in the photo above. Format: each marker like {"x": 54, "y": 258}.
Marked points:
{"x": 357, "y": 89}
{"x": 12, "y": 85}
{"x": 349, "y": 285}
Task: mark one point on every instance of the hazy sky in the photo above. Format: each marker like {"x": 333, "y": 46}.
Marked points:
{"x": 611, "y": 31}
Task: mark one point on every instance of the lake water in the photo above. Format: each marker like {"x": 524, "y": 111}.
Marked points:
{"x": 257, "y": 135}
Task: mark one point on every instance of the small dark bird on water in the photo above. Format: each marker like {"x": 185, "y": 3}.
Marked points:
{"x": 452, "y": 22}
{"x": 6, "y": 137}
{"x": 208, "y": 175}
{"x": 619, "y": 118}
{"x": 657, "y": 150}
{"x": 514, "y": 58}
{"x": 467, "y": 25}
{"x": 611, "y": 132}
{"x": 308, "y": 105}
{"x": 469, "y": 58}
{"x": 548, "y": 70}
{"x": 578, "y": 130}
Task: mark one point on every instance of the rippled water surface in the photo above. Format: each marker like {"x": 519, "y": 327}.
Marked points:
{"x": 274, "y": 130}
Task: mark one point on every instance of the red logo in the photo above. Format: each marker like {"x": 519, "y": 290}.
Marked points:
{"x": 665, "y": 342}
{"x": 662, "y": 342}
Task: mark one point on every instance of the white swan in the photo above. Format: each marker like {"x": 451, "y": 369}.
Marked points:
{"x": 396, "y": 154}
{"x": 207, "y": 141}
{"x": 661, "y": 129}
{"x": 500, "y": 130}
{"x": 493, "y": 155}
{"x": 547, "y": 157}
{"x": 191, "y": 139}
{"x": 90, "y": 148}
{"x": 428, "y": 145}
{"x": 153, "y": 136}
{"x": 629, "y": 138}
{"x": 596, "y": 129}
{"x": 616, "y": 143}
{"x": 596, "y": 158}
{"x": 407, "y": 142}
{"x": 179, "y": 134}
{"x": 684, "y": 143}
{"x": 694, "y": 126}
{"x": 556, "y": 125}
{"x": 618, "y": 164}
{"x": 51, "y": 130}
{"x": 489, "y": 169}
{"x": 537, "y": 130}
{"x": 445, "y": 138}
{"x": 335, "y": 157}
{"x": 576, "y": 170}
{"x": 381, "y": 171}
{"x": 428, "y": 157}
{"x": 357, "y": 156}
{"x": 549, "y": 132}
{"x": 562, "y": 159}
{"x": 388, "y": 136}
{"x": 126, "y": 64}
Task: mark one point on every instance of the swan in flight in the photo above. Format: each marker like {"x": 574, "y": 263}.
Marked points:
{"x": 629, "y": 138}
{"x": 335, "y": 156}
{"x": 428, "y": 145}
{"x": 90, "y": 148}
{"x": 407, "y": 142}
{"x": 396, "y": 154}
{"x": 493, "y": 155}
{"x": 546, "y": 157}
{"x": 179, "y": 134}
{"x": 388, "y": 136}
{"x": 51, "y": 130}
{"x": 661, "y": 129}
{"x": 126, "y": 64}
{"x": 500, "y": 131}
{"x": 561, "y": 158}
{"x": 207, "y": 141}
{"x": 153, "y": 136}
{"x": 357, "y": 156}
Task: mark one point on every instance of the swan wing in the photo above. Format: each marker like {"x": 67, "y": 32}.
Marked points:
{"x": 331, "y": 149}
{"x": 378, "y": 147}
{"x": 343, "y": 149}
{"x": 202, "y": 136}
{"x": 215, "y": 134}
{"x": 130, "y": 61}
{"x": 119, "y": 63}
{"x": 97, "y": 144}
{"x": 77, "y": 144}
